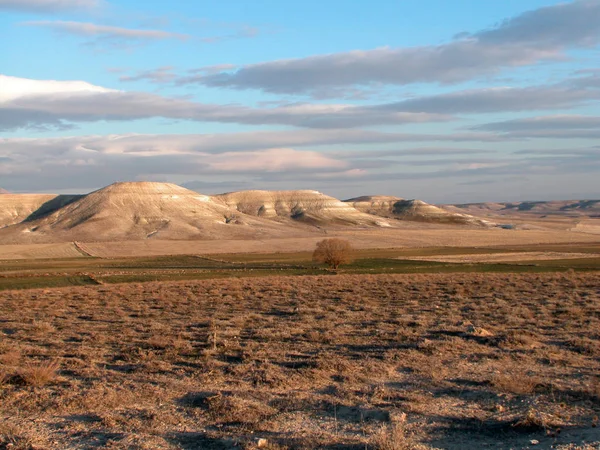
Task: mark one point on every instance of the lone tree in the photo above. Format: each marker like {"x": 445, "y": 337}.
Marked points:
{"x": 333, "y": 252}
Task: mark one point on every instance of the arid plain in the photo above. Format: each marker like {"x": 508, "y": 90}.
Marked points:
{"x": 146, "y": 315}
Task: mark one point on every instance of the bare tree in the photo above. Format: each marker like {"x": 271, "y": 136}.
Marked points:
{"x": 333, "y": 252}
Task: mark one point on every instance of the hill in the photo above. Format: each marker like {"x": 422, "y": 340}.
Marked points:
{"x": 140, "y": 210}
{"x": 4, "y": 191}
{"x": 309, "y": 207}
{"x": 411, "y": 210}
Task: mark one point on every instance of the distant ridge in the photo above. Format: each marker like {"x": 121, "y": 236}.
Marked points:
{"x": 413, "y": 210}
{"x": 4, "y": 191}
{"x": 553, "y": 207}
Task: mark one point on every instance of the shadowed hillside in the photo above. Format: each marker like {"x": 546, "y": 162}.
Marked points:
{"x": 15, "y": 208}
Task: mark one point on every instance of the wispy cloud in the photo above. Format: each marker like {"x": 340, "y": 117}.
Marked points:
{"x": 159, "y": 75}
{"x": 542, "y": 123}
{"x": 538, "y": 35}
{"x": 105, "y": 31}
{"x": 45, "y": 6}
{"x": 243, "y": 33}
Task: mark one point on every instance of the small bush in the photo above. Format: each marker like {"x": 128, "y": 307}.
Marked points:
{"x": 333, "y": 252}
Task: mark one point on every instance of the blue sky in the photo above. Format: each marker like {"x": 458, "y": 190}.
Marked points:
{"x": 447, "y": 101}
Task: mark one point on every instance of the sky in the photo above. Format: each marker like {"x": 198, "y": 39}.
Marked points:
{"x": 448, "y": 101}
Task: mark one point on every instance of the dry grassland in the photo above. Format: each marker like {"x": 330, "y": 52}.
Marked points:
{"x": 334, "y": 362}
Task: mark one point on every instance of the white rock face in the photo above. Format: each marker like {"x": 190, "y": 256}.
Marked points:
{"x": 308, "y": 206}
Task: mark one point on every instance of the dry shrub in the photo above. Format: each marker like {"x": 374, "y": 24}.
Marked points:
{"x": 394, "y": 436}
{"x": 514, "y": 382}
{"x": 39, "y": 374}
{"x": 585, "y": 346}
{"x": 42, "y": 327}
{"x": 594, "y": 390}
{"x": 10, "y": 358}
{"x": 226, "y": 409}
{"x": 535, "y": 419}
{"x": 15, "y": 437}
{"x": 516, "y": 339}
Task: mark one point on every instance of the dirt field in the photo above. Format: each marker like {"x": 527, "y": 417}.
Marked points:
{"x": 414, "y": 236}
{"x": 382, "y": 362}
{"x": 505, "y": 257}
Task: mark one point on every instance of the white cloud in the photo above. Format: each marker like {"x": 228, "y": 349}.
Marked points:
{"x": 538, "y": 35}
{"x": 14, "y": 88}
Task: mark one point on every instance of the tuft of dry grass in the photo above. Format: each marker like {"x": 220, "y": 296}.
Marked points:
{"x": 516, "y": 382}
{"x": 394, "y": 436}
{"x": 39, "y": 374}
